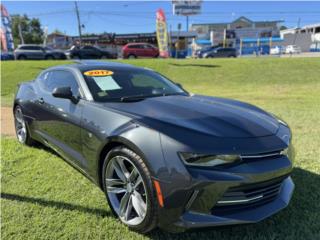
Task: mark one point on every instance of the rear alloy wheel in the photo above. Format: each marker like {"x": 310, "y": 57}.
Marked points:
{"x": 131, "y": 56}
{"x": 22, "y": 57}
{"x": 21, "y": 128}
{"x": 128, "y": 187}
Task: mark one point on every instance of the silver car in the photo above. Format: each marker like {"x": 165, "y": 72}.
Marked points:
{"x": 37, "y": 52}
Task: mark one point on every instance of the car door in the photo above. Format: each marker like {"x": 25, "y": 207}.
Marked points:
{"x": 88, "y": 52}
{"x": 37, "y": 52}
{"x": 148, "y": 50}
{"x": 32, "y": 52}
{"x": 59, "y": 120}
{"x": 220, "y": 52}
{"x": 139, "y": 50}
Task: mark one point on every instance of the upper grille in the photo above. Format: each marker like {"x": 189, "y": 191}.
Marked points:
{"x": 261, "y": 155}
{"x": 249, "y": 195}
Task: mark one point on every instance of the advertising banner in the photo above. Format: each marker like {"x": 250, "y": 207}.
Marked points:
{"x": 162, "y": 34}
{"x": 5, "y": 31}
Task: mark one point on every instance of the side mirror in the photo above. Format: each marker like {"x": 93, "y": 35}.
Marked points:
{"x": 64, "y": 92}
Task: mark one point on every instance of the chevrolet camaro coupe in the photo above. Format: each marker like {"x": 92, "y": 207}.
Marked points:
{"x": 163, "y": 157}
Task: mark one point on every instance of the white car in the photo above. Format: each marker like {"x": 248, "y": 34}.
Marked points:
{"x": 276, "y": 50}
{"x": 290, "y": 49}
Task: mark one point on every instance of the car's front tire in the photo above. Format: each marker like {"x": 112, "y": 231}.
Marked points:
{"x": 129, "y": 190}
{"x": 21, "y": 128}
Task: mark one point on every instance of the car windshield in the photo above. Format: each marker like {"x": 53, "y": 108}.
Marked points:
{"x": 128, "y": 85}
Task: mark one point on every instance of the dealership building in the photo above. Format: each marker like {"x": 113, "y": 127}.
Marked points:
{"x": 241, "y": 31}
{"x": 306, "y": 37}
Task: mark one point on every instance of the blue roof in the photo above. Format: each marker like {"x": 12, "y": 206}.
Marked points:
{"x": 266, "y": 39}
{"x": 203, "y": 42}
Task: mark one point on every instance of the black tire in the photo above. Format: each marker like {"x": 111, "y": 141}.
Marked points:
{"x": 22, "y": 57}
{"x": 49, "y": 57}
{"x": 132, "y": 56}
{"x": 151, "y": 218}
{"x": 27, "y": 140}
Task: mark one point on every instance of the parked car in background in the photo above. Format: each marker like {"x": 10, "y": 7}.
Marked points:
{"x": 135, "y": 50}
{"x": 37, "y": 52}
{"x": 89, "y": 52}
{"x": 201, "y": 52}
{"x": 276, "y": 50}
{"x": 221, "y": 52}
{"x": 290, "y": 49}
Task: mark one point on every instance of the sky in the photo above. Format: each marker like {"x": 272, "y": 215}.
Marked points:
{"x": 139, "y": 16}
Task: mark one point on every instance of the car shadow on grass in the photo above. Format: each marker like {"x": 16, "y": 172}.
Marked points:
{"x": 194, "y": 65}
{"x": 300, "y": 220}
{"x": 55, "y": 204}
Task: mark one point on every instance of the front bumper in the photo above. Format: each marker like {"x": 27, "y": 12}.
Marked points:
{"x": 192, "y": 219}
{"x": 266, "y": 184}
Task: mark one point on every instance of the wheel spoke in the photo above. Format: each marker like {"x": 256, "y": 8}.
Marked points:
{"x": 116, "y": 190}
{"x": 124, "y": 204}
{"x": 138, "y": 181}
{"x": 118, "y": 170}
{"x": 19, "y": 117}
{"x": 123, "y": 167}
{"x": 133, "y": 175}
{"x": 113, "y": 182}
{"x": 129, "y": 209}
{"x": 138, "y": 204}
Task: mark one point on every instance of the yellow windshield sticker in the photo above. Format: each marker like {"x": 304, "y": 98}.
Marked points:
{"x": 98, "y": 73}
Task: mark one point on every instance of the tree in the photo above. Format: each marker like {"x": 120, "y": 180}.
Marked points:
{"x": 57, "y": 31}
{"x": 30, "y": 30}
{"x": 283, "y": 28}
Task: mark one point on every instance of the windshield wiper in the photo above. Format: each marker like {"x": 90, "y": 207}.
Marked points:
{"x": 142, "y": 97}
{"x": 138, "y": 97}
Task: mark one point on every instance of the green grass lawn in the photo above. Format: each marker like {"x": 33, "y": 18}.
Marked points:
{"x": 44, "y": 198}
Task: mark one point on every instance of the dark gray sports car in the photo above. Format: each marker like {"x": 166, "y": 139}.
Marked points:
{"x": 164, "y": 157}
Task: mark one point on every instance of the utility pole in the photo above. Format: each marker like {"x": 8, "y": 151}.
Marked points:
{"x": 79, "y": 24}
{"x": 20, "y": 32}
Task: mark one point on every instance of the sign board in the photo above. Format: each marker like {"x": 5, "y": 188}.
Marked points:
{"x": 162, "y": 34}
{"x": 6, "y": 31}
{"x": 186, "y": 8}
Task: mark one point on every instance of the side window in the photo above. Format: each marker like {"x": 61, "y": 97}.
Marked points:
{"x": 60, "y": 78}
{"x": 43, "y": 78}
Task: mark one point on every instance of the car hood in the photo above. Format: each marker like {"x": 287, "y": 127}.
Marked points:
{"x": 209, "y": 115}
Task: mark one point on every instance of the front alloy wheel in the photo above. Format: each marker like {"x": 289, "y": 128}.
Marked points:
{"x": 129, "y": 190}
{"x": 126, "y": 190}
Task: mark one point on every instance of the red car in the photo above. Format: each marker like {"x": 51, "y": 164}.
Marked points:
{"x": 134, "y": 50}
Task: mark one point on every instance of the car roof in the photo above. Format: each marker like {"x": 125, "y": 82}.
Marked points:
{"x": 37, "y": 45}
{"x": 94, "y": 65}
{"x": 138, "y": 43}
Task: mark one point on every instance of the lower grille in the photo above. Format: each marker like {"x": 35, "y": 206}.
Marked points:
{"x": 249, "y": 195}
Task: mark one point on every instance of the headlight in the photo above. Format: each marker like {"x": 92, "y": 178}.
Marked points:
{"x": 206, "y": 160}
{"x": 289, "y": 152}
{"x": 279, "y": 120}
